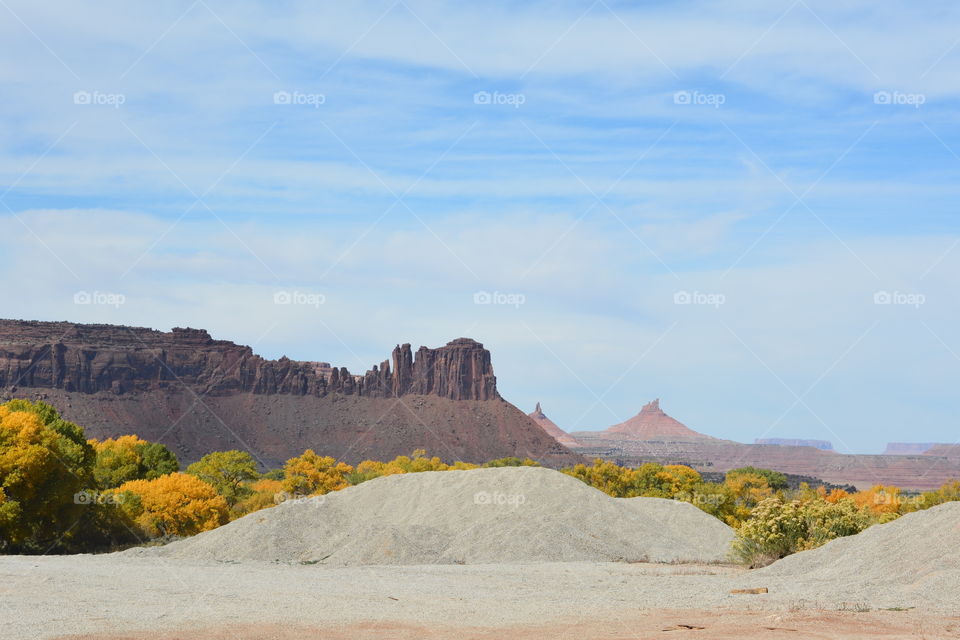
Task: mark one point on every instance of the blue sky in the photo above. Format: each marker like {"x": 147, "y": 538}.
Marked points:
{"x": 781, "y": 166}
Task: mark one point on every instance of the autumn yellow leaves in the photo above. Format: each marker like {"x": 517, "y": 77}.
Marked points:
{"x": 61, "y": 492}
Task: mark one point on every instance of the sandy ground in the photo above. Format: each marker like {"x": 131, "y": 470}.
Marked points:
{"x": 122, "y": 597}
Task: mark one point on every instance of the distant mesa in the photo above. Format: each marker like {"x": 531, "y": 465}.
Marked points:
{"x": 548, "y": 425}
{"x": 823, "y": 445}
{"x": 909, "y": 448}
{"x": 652, "y": 424}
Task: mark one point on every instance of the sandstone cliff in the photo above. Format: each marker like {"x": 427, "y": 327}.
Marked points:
{"x": 92, "y": 358}
{"x": 197, "y": 394}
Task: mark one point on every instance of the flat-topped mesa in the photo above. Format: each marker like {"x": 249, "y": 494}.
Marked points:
{"x": 909, "y": 448}
{"x": 89, "y": 358}
{"x": 823, "y": 445}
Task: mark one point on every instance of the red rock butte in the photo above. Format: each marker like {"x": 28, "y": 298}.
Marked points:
{"x": 653, "y": 423}
{"x": 548, "y": 425}
{"x": 196, "y": 394}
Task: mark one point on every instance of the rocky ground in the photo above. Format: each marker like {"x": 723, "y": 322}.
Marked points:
{"x": 422, "y": 556}
{"x": 127, "y": 597}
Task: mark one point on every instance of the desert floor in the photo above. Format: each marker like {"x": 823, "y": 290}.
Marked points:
{"x": 124, "y": 597}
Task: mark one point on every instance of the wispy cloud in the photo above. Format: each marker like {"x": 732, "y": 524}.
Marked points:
{"x": 595, "y": 158}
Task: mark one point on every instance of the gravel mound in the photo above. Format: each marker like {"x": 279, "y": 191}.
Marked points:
{"x": 913, "y": 555}
{"x": 504, "y": 515}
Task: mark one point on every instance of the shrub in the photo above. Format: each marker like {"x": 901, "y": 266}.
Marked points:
{"x": 777, "y": 528}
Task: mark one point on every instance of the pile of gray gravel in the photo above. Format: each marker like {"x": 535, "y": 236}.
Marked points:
{"x": 916, "y": 553}
{"x": 503, "y": 515}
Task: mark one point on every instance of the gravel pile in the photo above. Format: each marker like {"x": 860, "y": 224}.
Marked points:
{"x": 504, "y": 515}
{"x": 915, "y": 554}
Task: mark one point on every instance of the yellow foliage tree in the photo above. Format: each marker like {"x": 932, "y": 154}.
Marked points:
{"x": 650, "y": 479}
{"x": 130, "y": 458}
{"x": 264, "y": 493}
{"x": 415, "y": 463}
{"x": 174, "y": 504}
{"x": 879, "y": 499}
{"x": 311, "y": 474}
{"x": 45, "y": 463}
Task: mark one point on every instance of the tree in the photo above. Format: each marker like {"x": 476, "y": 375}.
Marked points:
{"x": 749, "y": 490}
{"x": 512, "y": 461}
{"x": 273, "y": 474}
{"x": 226, "y": 471}
{"x": 311, "y": 474}
{"x": 130, "y": 458}
{"x": 416, "y": 463}
{"x": 948, "y": 492}
{"x": 265, "y": 492}
{"x": 174, "y": 504}
{"x": 45, "y": 464}
{"x": 775, "y": 480}
{"x": 881, "y": 500}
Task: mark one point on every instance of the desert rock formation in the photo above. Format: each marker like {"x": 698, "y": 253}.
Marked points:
{"x": 653, "y": 436}
{"x": 548, "y": 425}
{"x": 196, "y": 395}
{"x": 653, "y": 423}
{"x": 823, "y": 445}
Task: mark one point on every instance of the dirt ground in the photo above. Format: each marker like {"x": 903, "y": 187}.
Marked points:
{"x": 662, "y": 624}
{"x": 124, "y": 598}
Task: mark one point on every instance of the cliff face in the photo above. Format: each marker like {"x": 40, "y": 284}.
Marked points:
{"x": 823, "y": 445}
{"x": 909, "y": 448}
{"x": 93, "y": 358}
{"x": 196, "y": 395}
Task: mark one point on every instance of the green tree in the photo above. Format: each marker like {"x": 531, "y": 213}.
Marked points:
{"x": 226, "y": 471}
{"x": 775, "y": 480}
